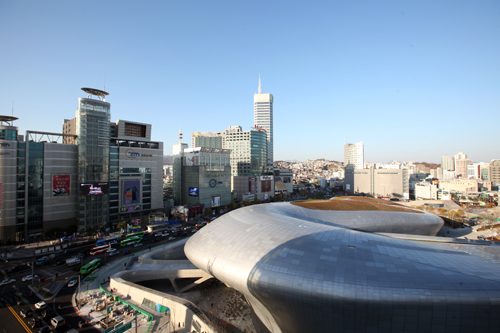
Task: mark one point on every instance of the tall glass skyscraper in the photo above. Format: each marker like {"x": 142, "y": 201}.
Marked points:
{"x": 263, "y": 119}
{"x": 93, "y": 130}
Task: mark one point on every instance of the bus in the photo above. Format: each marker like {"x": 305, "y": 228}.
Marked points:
{"x": 130, "y": 241}
{"x": 106, "y": 241}
{"x": 135, "y": 234}
{"x": 99, "y": 249}
{"x": 90, "y": 266}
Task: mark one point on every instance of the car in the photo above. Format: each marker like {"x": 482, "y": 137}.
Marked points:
{"x": 57, "y": 321}
{"x": 72, "y": 283}
{"x": 138, "y": 244}
{"x": 26, "y": 313}
{"x": 28, "y": 278}
{"x": 47, "y": 313}
{"x": 59, "y": 263}
{"x": 126, "y": 252}
{"x": 158, "y": 234}
{"x": 44, "y": 329}
{"x": 171, "y": 238}
{"x": 165, "y": 234}
{"x": 40, "y": 305}
{"x": 34, "y": 322}
{"x": 7, "y": 281}
{"x": 112, "y": 252}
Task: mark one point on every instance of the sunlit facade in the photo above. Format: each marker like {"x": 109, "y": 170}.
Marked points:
{"x": 263, "y": 119}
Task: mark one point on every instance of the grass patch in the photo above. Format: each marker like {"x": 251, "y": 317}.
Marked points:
{"x": 355, "y": 204}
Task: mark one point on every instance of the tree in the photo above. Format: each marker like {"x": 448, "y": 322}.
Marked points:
{"x": 122, "y": 225}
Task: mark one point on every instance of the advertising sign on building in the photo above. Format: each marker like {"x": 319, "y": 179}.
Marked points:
{"x": 216, "y": 200}
{"x": 136, "y": 154}
{"x": 131, "y": 192}
{"x": 61, "y": 185}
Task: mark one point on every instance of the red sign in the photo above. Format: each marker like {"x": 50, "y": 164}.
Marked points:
{"x": 61, "y": 185}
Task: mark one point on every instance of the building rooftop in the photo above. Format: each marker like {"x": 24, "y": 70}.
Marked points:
{"x": 350, "y": 203}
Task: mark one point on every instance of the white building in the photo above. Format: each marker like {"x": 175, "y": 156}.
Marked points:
{"x": 263, "y": 118}
{"x": 354, "y": 154}
{"x": 426, "y": 190}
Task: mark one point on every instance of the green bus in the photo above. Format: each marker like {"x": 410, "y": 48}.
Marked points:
{"x": 90, "y": 266}
{"x": 135, "y": 234}
{"x": 130, "y": 241}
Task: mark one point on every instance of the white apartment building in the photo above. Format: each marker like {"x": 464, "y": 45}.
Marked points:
{"x": 354, "y": 155}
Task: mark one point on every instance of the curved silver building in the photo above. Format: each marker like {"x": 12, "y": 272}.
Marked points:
{"x": 327, "y": 267}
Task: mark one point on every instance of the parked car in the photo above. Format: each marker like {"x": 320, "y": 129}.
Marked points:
{"x": 72, "y": 283}
{"x": 34, "y": 322}
{"x": 28, "y": 278}
{"x": 40, "y": 305}
{"x": 26, "y": 313}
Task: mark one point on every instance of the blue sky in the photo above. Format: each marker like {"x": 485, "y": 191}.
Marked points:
{"x": 413, "y": 80}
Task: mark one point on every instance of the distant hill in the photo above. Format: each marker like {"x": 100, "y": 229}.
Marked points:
{"x": 426, "y": 167}
{"x": 168, "y": 160}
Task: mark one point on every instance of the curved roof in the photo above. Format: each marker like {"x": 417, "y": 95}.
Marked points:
{"x": 306, "y": 269}
{"x": 95, "y": 92}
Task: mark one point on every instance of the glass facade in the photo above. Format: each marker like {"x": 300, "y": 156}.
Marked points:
{"x": 93, "y": 130}
{"x": 8, "y": 134}
{"x": 248, "y": 152}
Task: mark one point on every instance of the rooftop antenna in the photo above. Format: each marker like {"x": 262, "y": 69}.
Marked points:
{"x": 12, "y": 108}
{"x": 104, "y": 89}
{"x": 260, "y": 87}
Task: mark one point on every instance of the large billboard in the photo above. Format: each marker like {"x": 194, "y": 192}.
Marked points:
{"x": 61, "y": 185}
{"x": 94, "y": 188}
{"x": 265, "y": 185}
{"x": 216, "y": 200}
{"x": 131, "y": 192}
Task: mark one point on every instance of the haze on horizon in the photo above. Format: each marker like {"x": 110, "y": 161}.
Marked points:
{"x": 412, "y": 80}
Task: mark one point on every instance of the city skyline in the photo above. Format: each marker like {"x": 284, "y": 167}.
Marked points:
{"x": 413, "y": 81}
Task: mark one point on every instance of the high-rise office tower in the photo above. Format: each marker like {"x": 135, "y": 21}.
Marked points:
{"x": 263, "y": 118}
{"x": 93, "y": 131}
{"x": 354, "y": 155}
{"x": 248, "y": 151}
{"x": 447, "y": 163}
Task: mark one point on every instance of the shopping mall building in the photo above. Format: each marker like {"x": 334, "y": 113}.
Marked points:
{"x": 91, "y": 176}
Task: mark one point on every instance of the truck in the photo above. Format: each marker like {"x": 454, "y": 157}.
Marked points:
{"x": 73, "y": 261}
{"x": 44, "y": 260}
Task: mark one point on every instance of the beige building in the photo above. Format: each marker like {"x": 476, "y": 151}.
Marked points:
{"x": 494, "y": 172}
{"x": 461, "y": 167}
{"x": 464, "y": 185}
{"x": 378, "y": 182}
